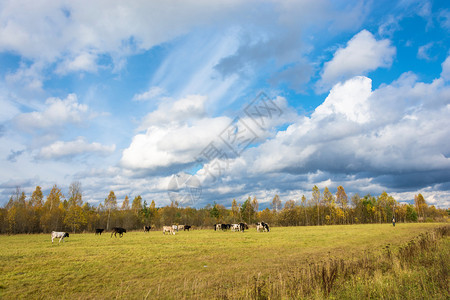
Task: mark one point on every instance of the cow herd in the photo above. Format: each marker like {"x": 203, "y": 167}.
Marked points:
{"x": 260, "y": 226}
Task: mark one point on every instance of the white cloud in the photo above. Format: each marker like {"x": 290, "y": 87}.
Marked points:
{"x": 172, "y": 144}
{"x": 349, "y": 99}
{"x": 79, "y": 146}
{"x": 152, "y": 93}
{"x": 8, "y": 109}
{"x": 176, "y": 132}
{"x": 423, "y": 51}
{"x": 444, "y": 19}
{"x": 445, "y": 74}
{"x": 179, "y": 111}
{"x": 388, "y": 27}
{"x": 27, "y": 76}
{"x": 362, "y": 54}
{"x": 55, "y": 114}
{"x": 181, "y": 77}
{"x": 391, "y": 134}
{"x": 74, "y": 36}
{"x": 82, "y": 62}
{"x": 47, "y": 30}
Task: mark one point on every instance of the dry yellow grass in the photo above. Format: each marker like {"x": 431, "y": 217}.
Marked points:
{"x": 196, "y": 264}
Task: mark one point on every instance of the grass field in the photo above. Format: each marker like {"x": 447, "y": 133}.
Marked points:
{"x": 200, "y": 264}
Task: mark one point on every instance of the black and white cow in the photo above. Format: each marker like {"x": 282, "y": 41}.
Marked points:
{"x": 217, "y": 227}
{"x": 226, "y": 226}
{"x": 262, "y": 226}
{"x": 243, "y": 226}
{"x": 147, "y": 228}
{"x": 59, "y": 235}
{"x": 99, "y": 231}
{"x": 118, "y": 230}
{"x": 187, "y": 227}
{"x": 266, "y": 226}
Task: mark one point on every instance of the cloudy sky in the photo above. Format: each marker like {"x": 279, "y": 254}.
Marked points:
{"x": 205, "y": 101}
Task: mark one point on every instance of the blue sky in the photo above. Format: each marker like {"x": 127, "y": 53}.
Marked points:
{"x": 142, "y": 98}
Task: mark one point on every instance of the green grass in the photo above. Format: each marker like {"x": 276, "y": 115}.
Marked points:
{"x": 197, "y": 264}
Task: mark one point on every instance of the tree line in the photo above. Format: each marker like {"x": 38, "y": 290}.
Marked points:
{"x": 59, "y": 212}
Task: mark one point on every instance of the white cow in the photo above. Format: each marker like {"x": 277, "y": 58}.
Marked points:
{"x": 168, "y": 229}
{"x": 235, "y": 227}
{"x": 180, "y": 227}
{"x": 175, "y": 228}
{"x": 60, "y": 235}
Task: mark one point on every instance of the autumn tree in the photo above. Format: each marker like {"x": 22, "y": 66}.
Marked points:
{"x": 154, "y": 213}
{"x": 289, "y": 215}
{"x": 421, "y": 206}
{"x": 342, "y": 200}
{"x": 19, "y": 214}
{"x": 255, "y": 204}
{"x": 52, "y": 218}
{"x": 75, "y": 194}
{"x": 75, "y": 217}
{"x": 34, "y": 206}
{"x": 137, "y": 210}
{"x": 411, "y": 214}
{"x": 136, "y": 205}
{"x": 37, "y": 197}
{"x": 110, "y": 205}
{"x": 125, "y": 203}
{"x": 92, "y": 217}
{"x": 3, "y": 220}
{"x": 304, "y": 209}
{"x": 234, "y": 211}
{"x": 316, "y": 199}
{"x": 276, "y": 203}
{"x": 328, "y": 200}
{"x": 247, "y": 210}
{"x": 218, "y": 212}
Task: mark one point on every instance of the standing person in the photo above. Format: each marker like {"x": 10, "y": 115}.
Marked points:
{"x": 393, "y": 221}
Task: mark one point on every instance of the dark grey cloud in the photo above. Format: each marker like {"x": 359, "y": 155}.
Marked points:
{"x": 414, "y": 180}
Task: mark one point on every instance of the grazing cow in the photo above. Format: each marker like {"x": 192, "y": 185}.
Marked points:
{"x": 147, "y": 228}
{"x": 60, "y": 235}
{"x": 266, "y": 226}
{"x": 217, "y": 227}
{"x": 168, "y": 229}
{"x": 235, "y": 227}
{"x": 187, "y": 227}
{"x": 180, "y": 227}
{"x": 175, "y": 228}
{"x": 243, "y": 226}
{"x": 99, "y": 231}
{"x": 226, "y": 226}
{"x": 261, "y": 226}
{"x": 118, "y": 230}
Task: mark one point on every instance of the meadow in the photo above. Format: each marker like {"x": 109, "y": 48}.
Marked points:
{"x": 288, "y": 262}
